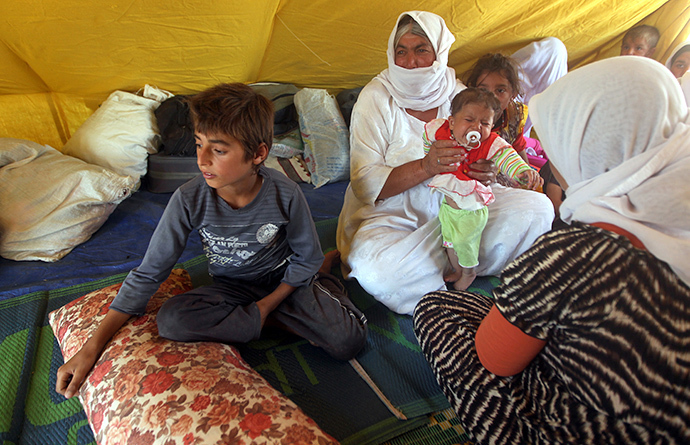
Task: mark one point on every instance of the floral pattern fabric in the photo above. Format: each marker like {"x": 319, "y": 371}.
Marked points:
{"x": 145, "y": 389}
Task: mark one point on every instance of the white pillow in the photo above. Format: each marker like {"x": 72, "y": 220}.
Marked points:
{"x": 50, "y": 202}
{"x": 119, "y": 135}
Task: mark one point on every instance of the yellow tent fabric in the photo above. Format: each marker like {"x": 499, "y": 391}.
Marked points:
{"x": 60, "y": 58}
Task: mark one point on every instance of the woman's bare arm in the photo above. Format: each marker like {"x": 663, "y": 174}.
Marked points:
{"x": 440, "y": 158}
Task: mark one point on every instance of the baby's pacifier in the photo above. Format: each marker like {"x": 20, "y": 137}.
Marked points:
{"x": 473, "y": 138}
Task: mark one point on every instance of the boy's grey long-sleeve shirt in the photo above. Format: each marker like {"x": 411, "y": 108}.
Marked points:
{"x": 243, "y": 244}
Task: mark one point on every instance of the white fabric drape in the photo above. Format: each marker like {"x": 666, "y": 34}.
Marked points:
{"x": 685, "y": 86}
{"x": 541, "y": 64}
{"x": 623, "y": 148}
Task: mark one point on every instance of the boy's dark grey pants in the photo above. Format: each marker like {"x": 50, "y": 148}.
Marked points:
{"x": 226, "y": 312}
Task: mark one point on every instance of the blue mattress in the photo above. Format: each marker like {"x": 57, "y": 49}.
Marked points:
{"x": 119, "y": 245}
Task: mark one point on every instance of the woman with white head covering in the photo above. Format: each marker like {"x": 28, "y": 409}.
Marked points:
{"x": 679, "y": 64}
{"x": 586, "y": 340}
{"x": 388, "y": 233}
{"x": 679, "y": 60}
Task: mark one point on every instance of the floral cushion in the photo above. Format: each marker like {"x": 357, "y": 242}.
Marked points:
{"x": 148, "y": 390}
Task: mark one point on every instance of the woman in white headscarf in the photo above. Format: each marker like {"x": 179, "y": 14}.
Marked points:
{"x": 679, "y": 64}
{"x": 586, "y": 339}
{"x": 388, "y": 233}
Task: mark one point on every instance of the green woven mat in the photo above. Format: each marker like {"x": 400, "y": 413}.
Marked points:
{"x": 443, "y": 428}
{"x": 31, "y": 412}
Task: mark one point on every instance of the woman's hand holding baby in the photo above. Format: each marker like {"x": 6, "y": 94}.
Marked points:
{"x": 484, "y": 171}
{"x": 444, "y": 156}
{"x": 440, "y": 159}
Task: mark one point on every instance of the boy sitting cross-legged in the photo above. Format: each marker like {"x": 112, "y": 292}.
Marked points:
{"x": 257, "y": 232}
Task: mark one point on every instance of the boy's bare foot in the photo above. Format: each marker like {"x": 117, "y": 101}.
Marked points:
{"x": 331, "y": 259}
{"x": 468, "y": 276}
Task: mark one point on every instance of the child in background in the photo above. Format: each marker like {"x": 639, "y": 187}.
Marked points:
{"x": 464, "y": 212}
{"x": 640, "y": 41}
{"x": 260, "y": 240}
{"x": 499, "y": 75}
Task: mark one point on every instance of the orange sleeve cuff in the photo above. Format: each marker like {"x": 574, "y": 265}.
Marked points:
{"x": 502, "y": 348}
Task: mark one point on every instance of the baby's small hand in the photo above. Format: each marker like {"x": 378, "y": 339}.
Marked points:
{"x": 530, "y": 180}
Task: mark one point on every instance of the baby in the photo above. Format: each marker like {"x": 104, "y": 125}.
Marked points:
{"x": 464, "y": 212}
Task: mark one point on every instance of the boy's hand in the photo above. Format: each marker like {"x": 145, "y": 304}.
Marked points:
{"x": 72, "y": 374}
{"x": 271, "y": 301}
{"x": 530, "y": 180}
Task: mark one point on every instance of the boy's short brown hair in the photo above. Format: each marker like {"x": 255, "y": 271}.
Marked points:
{"x": 236, "y": 110}
{"x": 474, "y": 95}
{"x": 648, "y": 32}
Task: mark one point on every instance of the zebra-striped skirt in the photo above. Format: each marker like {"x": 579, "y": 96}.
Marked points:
{"x": 533, "y": 407}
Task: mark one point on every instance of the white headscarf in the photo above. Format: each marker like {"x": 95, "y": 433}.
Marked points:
{"x": 422, "y": 89}
{"x": 675, "y": 50}
{"x": 618, "y": 132}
